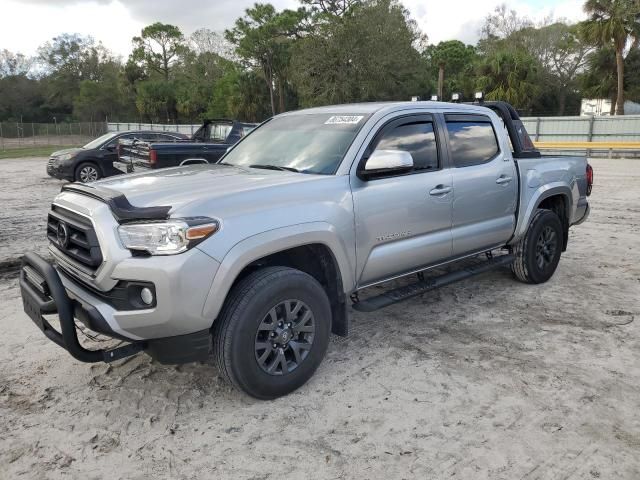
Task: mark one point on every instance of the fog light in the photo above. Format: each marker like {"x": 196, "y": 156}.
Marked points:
{"x": 146, "y": 295}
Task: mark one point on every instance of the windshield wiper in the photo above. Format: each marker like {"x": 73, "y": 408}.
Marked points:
{"x": 275, "y": 167}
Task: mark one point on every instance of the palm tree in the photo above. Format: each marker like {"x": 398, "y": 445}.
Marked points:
{"x": 614, "y": 23}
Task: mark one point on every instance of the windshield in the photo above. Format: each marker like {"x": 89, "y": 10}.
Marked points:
{"x": 100, "y": 140}
{"x": 312, "y": 143}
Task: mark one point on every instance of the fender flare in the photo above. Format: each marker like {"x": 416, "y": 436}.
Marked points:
{"x": 261, "y": 245}
{"x": 535, "y": 198}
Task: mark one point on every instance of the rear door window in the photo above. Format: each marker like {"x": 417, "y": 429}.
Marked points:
{"x": 219, "y": 132}
{"x": 472, "y": 140}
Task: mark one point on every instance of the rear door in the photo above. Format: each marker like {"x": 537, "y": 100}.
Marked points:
{"x": 403, "y": 221}
{"x": 484, "y": 182}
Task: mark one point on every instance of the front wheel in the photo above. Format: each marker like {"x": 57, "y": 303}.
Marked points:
{"x": 87, "y": 172}
{"x": 538, "y": 253}
{"x": 273, "y": 332}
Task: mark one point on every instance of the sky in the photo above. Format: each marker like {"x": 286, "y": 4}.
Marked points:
{"x": 26, "y": 24}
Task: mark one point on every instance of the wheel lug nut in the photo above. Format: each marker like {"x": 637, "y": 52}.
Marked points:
{"x": 289, "y": 325}
{"x": 275, "y": 345}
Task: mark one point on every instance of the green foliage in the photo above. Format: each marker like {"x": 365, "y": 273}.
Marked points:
{"x": 613, "y": 23}
{"x": 156, "y": 100}
{"x": 14, "y": 63}
{"x": 239, "y": 94}
{"x": 455, "y": 61}
{"x": 366, "y": 55}
{"x": 21, "y": 97}
{"x": 69, "y": 60}
{"x": 263, "y": 39}
{"x": 512, "y": 76}
{"x": 159, "y": 48}
{"x": 326, "y": 52}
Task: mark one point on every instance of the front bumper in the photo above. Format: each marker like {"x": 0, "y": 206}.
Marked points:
{"x": 44, "y": 292}
{"x": 56, "y": 170}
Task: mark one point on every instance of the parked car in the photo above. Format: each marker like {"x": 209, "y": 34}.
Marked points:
{"x": 253, "y": 260}
{"x": 95, "y": 160}
{"x": 207, "y": 145}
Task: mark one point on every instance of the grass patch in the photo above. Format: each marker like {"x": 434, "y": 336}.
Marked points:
{"x": 36, "y": 151}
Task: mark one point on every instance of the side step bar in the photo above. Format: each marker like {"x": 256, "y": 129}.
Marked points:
{"x": 409, "y": 291}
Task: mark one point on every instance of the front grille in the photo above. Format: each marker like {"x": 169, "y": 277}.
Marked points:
{"x": 51, "y": 162}
{"x": 73, "y": 235}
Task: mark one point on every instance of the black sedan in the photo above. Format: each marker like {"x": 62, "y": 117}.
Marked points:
{"x": 95, "y": 159}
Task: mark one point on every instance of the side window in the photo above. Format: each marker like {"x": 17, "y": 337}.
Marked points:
{"x": 166, "y": 138}
{"x": 219, "y": 132}
{"x": 472, "y": 143}
{"x": 417, "y": 138}
{"x": 114, "y": 143}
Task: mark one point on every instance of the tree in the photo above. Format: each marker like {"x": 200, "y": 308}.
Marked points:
{"x": 97, "y": 100}
{"x": 512, "y": 76}
{"x": 263, "y": 38}
{"x": 14, "y": 63}
{"x": 65, "y": 62}
{"x": 599, "y": 80}
{"x": 21, "y": 98}
{"x": 367, "y": 55}
{"x": 561, "y": 53}
{"x": 156, "y": 100}
{"x": 159, "y": 48}
{"x": 204, "y": 40}
{"x": 195, "y": 82}
{"x": 503, "y": 23}
{"x": 239, "y": 94}
{"x": 453, "y": 56}
{"x": 614, "y": 23}
{"x": 334, "y": 8}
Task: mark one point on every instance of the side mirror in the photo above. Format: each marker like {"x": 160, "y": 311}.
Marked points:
{"x": 111, "y": 148}
{"x": 383, "y": 162}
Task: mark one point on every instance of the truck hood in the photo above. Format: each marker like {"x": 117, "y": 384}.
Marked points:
{"x": 177, "y": 187}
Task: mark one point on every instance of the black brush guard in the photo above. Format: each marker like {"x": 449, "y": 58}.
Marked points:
{"x": 44, "y": 294}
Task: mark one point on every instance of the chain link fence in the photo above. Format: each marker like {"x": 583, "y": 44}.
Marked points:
{"x": 15, "y": 135}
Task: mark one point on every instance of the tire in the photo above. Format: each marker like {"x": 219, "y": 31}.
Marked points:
{"x": 87, "y": 172}
{"x": 252, "y": 314}
{"x": 538, "y": 253}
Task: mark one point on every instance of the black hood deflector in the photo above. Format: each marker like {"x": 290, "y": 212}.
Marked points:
{"x": 122, "y": 210}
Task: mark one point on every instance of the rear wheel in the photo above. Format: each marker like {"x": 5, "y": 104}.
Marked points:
{"x": 273, "y": 332}
{"x": 87, "y": 172}
{"x": 538, "y": 253}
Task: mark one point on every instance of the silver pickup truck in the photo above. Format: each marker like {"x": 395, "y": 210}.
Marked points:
{"x": 254, "y": 260}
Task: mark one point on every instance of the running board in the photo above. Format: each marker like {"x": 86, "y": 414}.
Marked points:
{"x": 409, "y": 291}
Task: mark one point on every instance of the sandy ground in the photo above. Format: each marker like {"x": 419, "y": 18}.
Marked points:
{"x": 486, "y": 379}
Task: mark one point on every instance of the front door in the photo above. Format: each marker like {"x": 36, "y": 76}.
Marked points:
{"x": 403, "y": 222}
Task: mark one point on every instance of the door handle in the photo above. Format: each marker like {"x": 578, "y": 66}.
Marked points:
{"x": 503, "y": 179}
{"x": 440, "y": 190}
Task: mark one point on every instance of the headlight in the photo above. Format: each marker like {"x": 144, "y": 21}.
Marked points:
{"x": 66, "y": 156}
{"x": 168, "y": 237}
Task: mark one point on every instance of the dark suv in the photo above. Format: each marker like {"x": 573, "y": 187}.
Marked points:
{"x": 95, "y": 159}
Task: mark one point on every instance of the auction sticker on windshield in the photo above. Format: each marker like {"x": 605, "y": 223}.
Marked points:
{"x": 344, "y": 120}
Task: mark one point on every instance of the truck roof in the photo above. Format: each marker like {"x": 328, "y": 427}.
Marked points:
{"x": 374, "y": 107}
